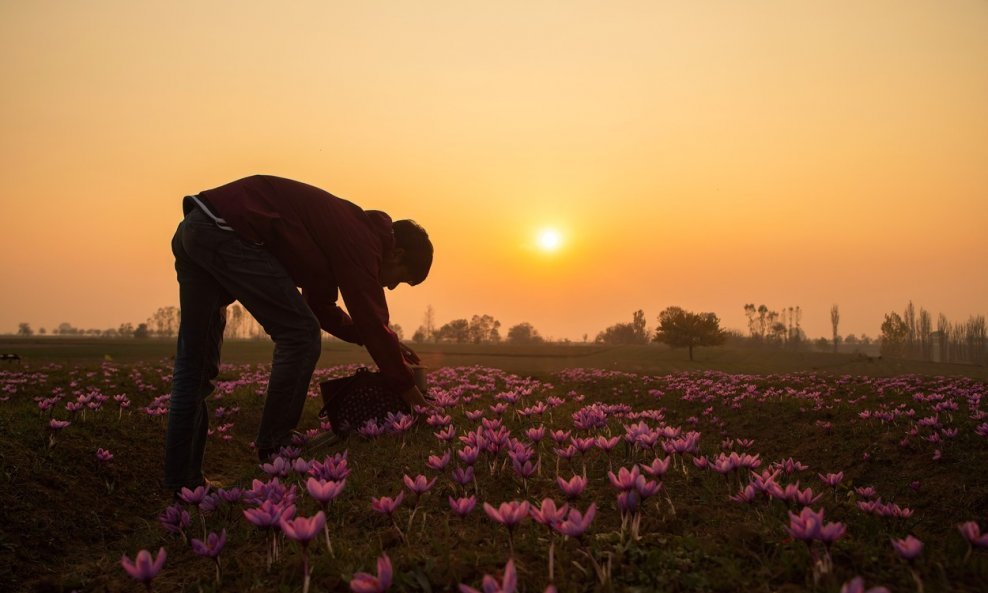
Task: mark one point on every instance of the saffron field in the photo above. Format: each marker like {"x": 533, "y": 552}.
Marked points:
{"x": 580, "y": 479}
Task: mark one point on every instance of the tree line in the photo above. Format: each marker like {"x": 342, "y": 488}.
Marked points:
{"x": 913, "y": 335}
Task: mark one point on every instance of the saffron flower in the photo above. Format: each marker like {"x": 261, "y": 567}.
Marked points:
{"x": 439, "y": 463}
{"x": 268, "y": 514}
{"x": 462, "y": 506}
{"x": 463, "y": 475}
{"x": 490, "y": 585}
{"x": 175, "y": 519}
{"x": 387, "y": 505}
{"x": 972, "y": 533}
{"x": 657, "y": 468}
{"x": 143, "y": 568}
{"x": 548, "y": 513}
{"x": 624, "y": 480}
{"x": 367, "y": 583}
{"x": 856, "y": 585}
{"x": 832, "y": 479}
{"x": 324, "y": 491}
{"x": 57, "y": 425}
{"x": 420, "y": 485}
{"x": 805, "y": 525}
{"x": 573, "y": 487}
{"x": 103, "y": 455}
{"x": 508, "y": 514}
{"x": 211, "y": 546}
{"x": 303, "y": 529}
{"x": 575, "y": 523}
{"x": 193, "y": 496}
{"x": 908, "y": 548}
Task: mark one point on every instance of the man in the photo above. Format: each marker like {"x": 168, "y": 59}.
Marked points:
{"x": 257, "y": 240}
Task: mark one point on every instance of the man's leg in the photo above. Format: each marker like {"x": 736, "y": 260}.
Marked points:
{"x": 203, "y": 304}
{"x": 251, "y": 275}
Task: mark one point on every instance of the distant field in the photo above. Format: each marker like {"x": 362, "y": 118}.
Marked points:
{"x": 526, "y": 360}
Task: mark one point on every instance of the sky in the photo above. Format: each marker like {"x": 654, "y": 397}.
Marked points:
{"x": 702, "y": 154}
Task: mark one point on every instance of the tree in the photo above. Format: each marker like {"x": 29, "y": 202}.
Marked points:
{"x": 457, "y": 331}
{"x": 141, "y": 331}
{"x": 524, "y": 333}
{"x": 420, "y": 335}
{"x": 484, "y": 329}
{"x": 639, "y": 326}
{"x": 126, "y": 330}
{"x": 635, "y": 332}
{"x": 165, "y": 321}
{"x": 429, "y": 323}
{"x": 895, "y": 335}
{"x": 398, "y": 331}
{"x": 679, "y": 328}
{"x": 835, "y": 322}
{"x": 24, "y": 329}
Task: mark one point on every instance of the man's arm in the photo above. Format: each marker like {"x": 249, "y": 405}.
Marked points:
{"x": 331, "y": 318}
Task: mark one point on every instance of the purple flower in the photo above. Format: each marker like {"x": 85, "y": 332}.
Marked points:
{"x": 508, "y": 514}
{"x": 174, "y": 519}
{"x": 625, "y": 479}
{"x": 143, "y": 568}
{"x": 438, "y": 463}
{"x": 972, "y": 533}
{"x": 658, "y": 467}
{"x": 490, "y": 584}
{"x": 572, "y": 488}
{"x": 420, "y": 485}
{"x": 856, "y": 585}
{"x": 576, "y": 524}
{"x": 231, "y": 496}
{"x": 279, "y": 467}
{"x": 386, "y": 504}
{"x": 463, "y": 475}
{"x": 103, "y": 455}
{"x": 908, "y": 548}
{"x": 366, "y": 583}
{"x": 268, "y": 514}
{"x": 193, "y": 496}
{"x": 324, "y": 491}
{"x": 629, "y": 502}
{"x": 303, "y": 529}
{"x": 468, "y": 455}
{"x": 212, "y": 546}
{"x": 805, "y": 525}
{"x": 57, "y": 425}
{"x": 548, "y": 514}
{"x": 831, "y": 532}
{"x": 462, "y": 506}
{"x": 535, "y": 434}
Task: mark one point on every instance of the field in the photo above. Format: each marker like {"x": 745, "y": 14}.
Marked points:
{"x": 743, "y": 471}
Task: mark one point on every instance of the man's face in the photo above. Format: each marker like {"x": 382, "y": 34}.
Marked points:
{"x": 393, "y": 275}
{"x": 394, "y": 271}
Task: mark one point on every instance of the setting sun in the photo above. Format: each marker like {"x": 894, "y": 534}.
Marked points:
{"x": 550, "y": 240}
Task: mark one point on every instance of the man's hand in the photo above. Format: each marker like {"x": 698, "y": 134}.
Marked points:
{"x": 409, "y": 355}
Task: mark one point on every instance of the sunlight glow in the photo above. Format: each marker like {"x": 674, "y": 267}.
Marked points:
{"x": 550, "y": 239}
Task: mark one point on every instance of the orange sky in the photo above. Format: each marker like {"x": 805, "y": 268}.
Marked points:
{"x": 700, "y": 154}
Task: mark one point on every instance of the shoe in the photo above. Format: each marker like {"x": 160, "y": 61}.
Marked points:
{"x": 320, "y": 441}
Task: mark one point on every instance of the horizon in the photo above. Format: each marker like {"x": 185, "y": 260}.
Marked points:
{"x": 571, "y": 164}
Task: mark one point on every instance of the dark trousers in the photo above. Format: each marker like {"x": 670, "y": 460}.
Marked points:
{"x": 216, "y": 267}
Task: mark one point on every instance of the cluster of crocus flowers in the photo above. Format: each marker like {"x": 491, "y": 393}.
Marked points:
{"x": 809, "y": 525}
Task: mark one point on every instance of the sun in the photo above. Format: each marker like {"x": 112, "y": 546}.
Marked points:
{"x": 550, "y": 240}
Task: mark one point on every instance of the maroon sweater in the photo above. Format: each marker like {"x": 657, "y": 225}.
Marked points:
{"x": 329, "y": 246}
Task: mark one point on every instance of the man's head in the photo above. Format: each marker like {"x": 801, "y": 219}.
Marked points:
{"x": 411, "y": 258}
